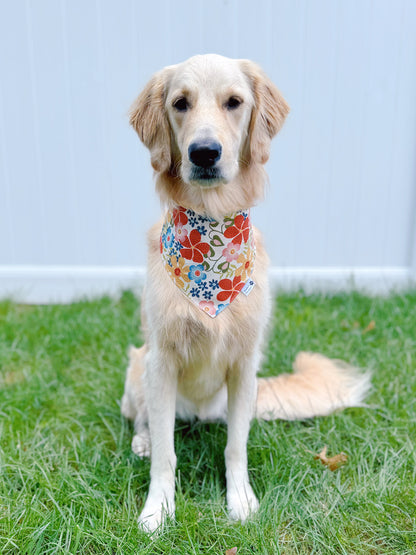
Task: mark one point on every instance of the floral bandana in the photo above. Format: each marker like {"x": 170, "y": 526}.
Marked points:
{"x": 210, "y": 261}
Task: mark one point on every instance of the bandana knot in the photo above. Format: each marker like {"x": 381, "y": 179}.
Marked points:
{"x": 210, "y": 261}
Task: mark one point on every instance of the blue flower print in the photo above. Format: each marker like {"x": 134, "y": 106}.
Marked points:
{"x": 196, "y": 273}
{"x": 207, "y": 295}
{"x": 203, "y": 218}
{"x": 168, "y": 238}
{"x": 177, "y": 247}
{"x": 192, "y": 221}
{"x": 194, "y": 292}
{"x": 203, "y": 286}
{"x": 202, "y": 229}
{"x": 214, "y": 284}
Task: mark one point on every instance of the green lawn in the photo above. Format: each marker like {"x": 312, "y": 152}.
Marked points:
{"x": 70, "y": 484}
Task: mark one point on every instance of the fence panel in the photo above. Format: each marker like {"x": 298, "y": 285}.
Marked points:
{"x": 76, "y": 186}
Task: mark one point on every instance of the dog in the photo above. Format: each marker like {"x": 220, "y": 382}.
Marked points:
{"x": 208, "y": 123}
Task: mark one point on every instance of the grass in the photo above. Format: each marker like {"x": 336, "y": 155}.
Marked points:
{"x": 70, "y": 484}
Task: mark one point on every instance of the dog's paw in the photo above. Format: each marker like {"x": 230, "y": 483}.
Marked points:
{"x": 242, "y": 503}
{"x": 140, "y": 444}
{"x": 154, "y": 516}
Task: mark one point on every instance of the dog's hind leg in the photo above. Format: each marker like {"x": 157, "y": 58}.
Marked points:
{"x": 140, "y": 444}
{"x": 133, "y": 403}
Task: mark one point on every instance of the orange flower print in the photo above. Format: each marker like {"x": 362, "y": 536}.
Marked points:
{"x": 245, "y": 268}
{"x": 179, "y": 216}
{"x": 194, "y": 249}
{"x": 240, "y": 230}
{"x": 178, "y": 271}
{"x": 230, "y": 289}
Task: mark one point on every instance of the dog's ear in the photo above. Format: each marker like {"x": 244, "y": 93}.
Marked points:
{"x": 148, "y": 117}
{"x": 268, "y": 115}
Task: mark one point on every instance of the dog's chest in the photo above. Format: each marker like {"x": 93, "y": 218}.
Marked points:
{"x": 202, "y": 358}
{"x": 201, "y": 379}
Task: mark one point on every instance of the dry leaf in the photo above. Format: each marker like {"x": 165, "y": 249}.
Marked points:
{"x": 370, "y": 327}
{"x": 232, "y": 551}
{"x": 331, "y": 462}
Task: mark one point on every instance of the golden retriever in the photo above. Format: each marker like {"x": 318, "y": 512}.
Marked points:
{"x": 208, "y": 123}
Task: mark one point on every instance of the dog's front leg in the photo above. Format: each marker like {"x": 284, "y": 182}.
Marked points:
{"x": 160, "y": 384}
{"x": 241, "y": 386}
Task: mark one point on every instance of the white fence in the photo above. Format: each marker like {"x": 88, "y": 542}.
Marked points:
{"x": 76, "y": 191}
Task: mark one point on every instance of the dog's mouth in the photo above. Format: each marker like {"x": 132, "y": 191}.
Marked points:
{"x": 206, "y": 177}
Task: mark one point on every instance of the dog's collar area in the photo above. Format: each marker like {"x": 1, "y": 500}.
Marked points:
{"x": 210, "y": 261}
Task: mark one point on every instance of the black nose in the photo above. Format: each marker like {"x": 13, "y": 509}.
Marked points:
{"x": 204, "y": 155}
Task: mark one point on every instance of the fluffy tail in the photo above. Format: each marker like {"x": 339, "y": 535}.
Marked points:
{"x": 317, "y": 387}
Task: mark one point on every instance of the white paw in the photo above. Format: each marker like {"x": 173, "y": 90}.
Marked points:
{"x": 154, "y": 515}
{"x": 242, "y": 503}
{"x": 140, "y": 444}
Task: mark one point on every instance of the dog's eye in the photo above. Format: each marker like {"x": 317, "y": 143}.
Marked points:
{"x": 181, "y": 104}
{"x": 233, "y": 102}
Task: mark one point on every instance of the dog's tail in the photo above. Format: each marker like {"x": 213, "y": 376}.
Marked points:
{"x": 317, "y": 387}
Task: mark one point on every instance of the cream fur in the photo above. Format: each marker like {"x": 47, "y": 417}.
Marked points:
{"x": 192, "y": 365}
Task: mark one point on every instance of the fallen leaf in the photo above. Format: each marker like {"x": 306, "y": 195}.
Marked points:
{"x": 232, "y": 551}
{"x": 370, "y": 327}
{"x": 331, "y": 462}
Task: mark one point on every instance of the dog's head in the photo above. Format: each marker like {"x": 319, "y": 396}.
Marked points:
{"x": 206, "y": 118}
